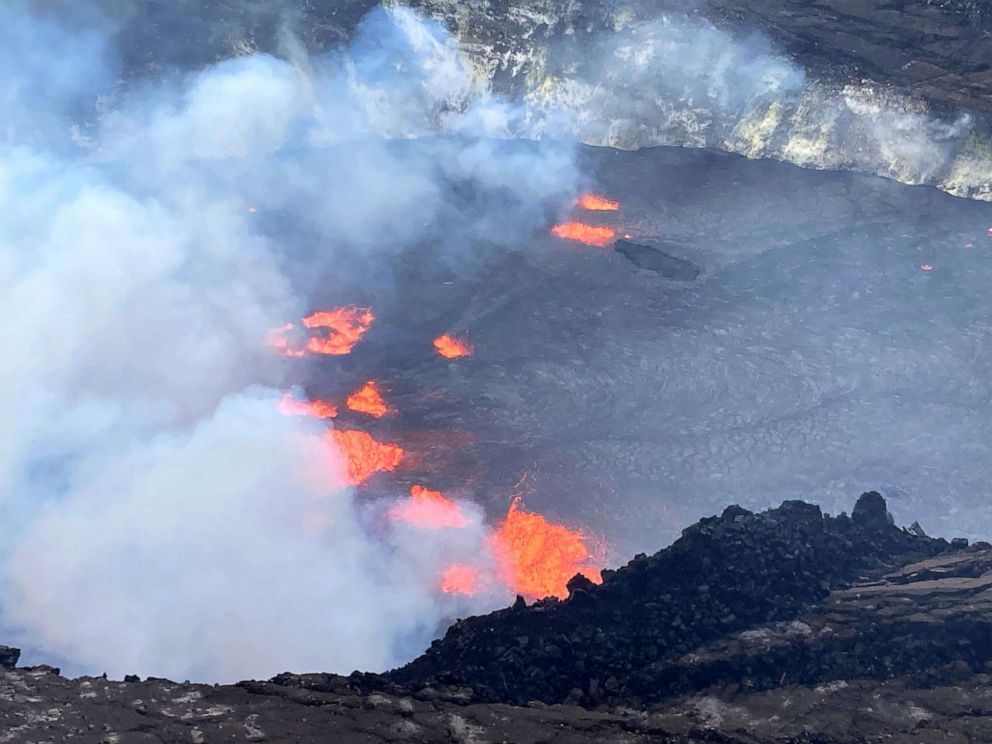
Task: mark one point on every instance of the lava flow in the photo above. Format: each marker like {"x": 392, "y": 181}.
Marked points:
{"x": 428, "y": 509}
{"x": 595, "y": 203}
{"x": 451, "y": 347}
{"x": 347, "y": 325}
{"x": 368, "y": 399}
{"x": 597, "y": 235}
{"x": 364, "y": 455}
{"x": 537, "y": 558}
{"x": 460, "y": 579}
{"x": 276, "y": 338}
{"x": 321, "y": 409}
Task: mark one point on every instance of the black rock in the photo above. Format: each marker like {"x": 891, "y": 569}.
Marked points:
{"x": 656, "y": 260}
{"x": 9, "y": 657}
{"x": 870, "y": 512}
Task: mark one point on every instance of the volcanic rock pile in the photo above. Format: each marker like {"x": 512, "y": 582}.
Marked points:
{"x": 783, "y": 626}
{"x": 616, "y": 643}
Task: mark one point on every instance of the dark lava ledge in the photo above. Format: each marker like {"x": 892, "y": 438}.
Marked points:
{"x": 783, "y": 626}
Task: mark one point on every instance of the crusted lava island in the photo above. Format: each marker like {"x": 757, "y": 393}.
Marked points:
{"x": 781, "y": 626}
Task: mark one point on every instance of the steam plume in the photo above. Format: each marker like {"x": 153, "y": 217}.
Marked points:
{"x": 158, "y": 515}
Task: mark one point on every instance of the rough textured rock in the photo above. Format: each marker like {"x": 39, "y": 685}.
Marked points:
{"x": 616, "y": 643}
{"x": 9, "y": 657}
{"x": 843, "y": 631}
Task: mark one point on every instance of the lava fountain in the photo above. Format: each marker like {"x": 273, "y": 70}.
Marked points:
{"x": 538, "y": 557}
{"x": 364, "y": 455}
{"x": 597, "y": 235}
{"x": 594, "y": 203}
{"x": 368, "y": 399}
{"x": 452, "y": 347}
{"x": 347, "y": 325}
{"x": 429, "y": 510}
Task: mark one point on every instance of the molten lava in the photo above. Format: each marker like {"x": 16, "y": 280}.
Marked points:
{"x": 451, "y": 347}
{"x": 321, "y": 409}
{"x": 347, "y": 325}
{"x": 596, "y": 235}
{"x": 460, "y": 580}
{"x": 276, "y": 338}
{"x": 368, "y": 399}
{"x": 595, "y": 203}
{"x": 364, "y": 455}
{"x": 537, "y": 558}
{"x": 428, "y": 509}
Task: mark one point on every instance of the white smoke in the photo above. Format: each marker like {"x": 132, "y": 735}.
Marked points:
{"x": 679, "y": 80}
{"x": 158, "y": 515}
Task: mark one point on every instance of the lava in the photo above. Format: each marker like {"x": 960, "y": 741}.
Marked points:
{"x": 321, "y": 409}
{"x": 429, "y": 509}
{"x": 347, "y": 325}
{"x": 368, "y": 399}
{"x": 276, "y": 338}
{"x": 364, "y": 455}
{"x": 537, "y": 557}
{"x": 595, "y": 203}
{"x": 597, "y": 235}
{"x": 451, "y": 347}
{"x": 459, "y": 579}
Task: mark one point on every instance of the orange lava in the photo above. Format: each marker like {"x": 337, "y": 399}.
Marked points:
{"x": 431, "y": 510}
{"x": 451, "y": 347}
{"x": 460, "y": 580}
{"x": 596, "y": 235}
{"x": 537, "y": 558}
{"x": 276, "y": 338}
{"x": 595, "y": 203}
{"x": 364, "y": 455}
{"x": 347, "y": 325}
{"x": 321, "y": 409}
{"x": 368, "y": 399}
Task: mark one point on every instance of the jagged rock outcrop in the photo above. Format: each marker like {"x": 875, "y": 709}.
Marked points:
{"x": 614, "y": 643}
{"x": 785, "y": 626}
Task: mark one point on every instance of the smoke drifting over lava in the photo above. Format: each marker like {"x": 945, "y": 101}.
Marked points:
{"x": 160, "y": 515}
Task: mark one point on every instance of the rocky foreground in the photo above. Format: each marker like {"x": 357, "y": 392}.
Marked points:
{"x": 784, "y": 626}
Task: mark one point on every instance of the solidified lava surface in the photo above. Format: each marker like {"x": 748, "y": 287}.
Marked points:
{"x": 837, "y": 335}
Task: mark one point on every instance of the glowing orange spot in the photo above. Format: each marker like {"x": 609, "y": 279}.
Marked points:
{"x": 589, "y": 234}
{"x": 347, "y": 325}
{"x": 537, "y": 558}
{"x": 321, "y": 409}
{"x": 926, "y": 267}
{"x": 364, "y": 455}
{"x": 431, "y": 510}
{"x": 368, "y": 400}
{"x": 451, "y": 347}
{"x": 276, "y": 338}
{"x": 460, "y": 580}
{"x": 598, "y": 203}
